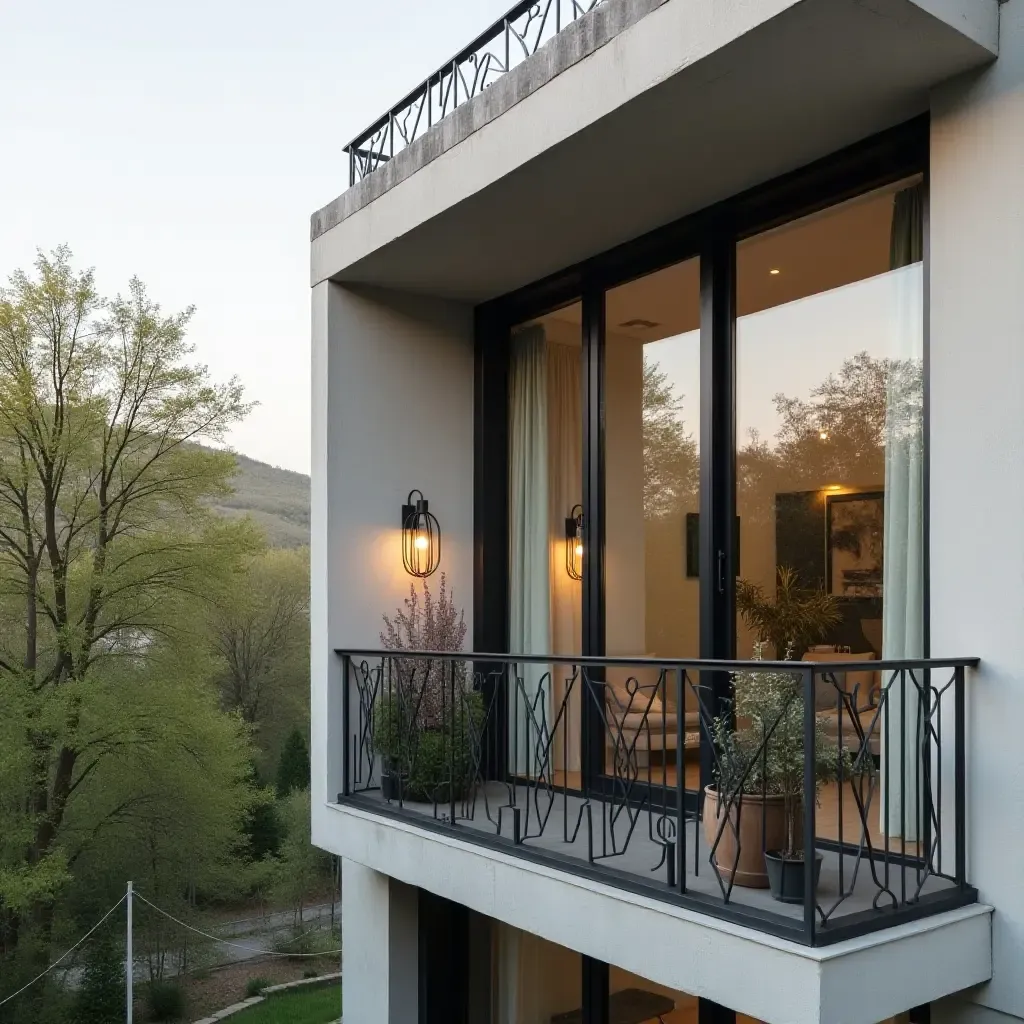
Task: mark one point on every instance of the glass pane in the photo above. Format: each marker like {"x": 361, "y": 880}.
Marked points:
{"x": 652, "y": 493}
{"x": 535, "y": 980}
{"x": 545, "y": 557}
{"x": 831, "y": 449}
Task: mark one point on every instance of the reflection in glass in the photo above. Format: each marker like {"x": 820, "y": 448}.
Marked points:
{"x": 652, "y": 484}
{"x": 830, "y": 460}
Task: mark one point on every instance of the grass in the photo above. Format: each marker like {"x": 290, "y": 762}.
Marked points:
{"x": 317, "y": 1006}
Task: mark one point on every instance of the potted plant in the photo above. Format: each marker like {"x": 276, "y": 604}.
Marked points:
{"x": 427, "y": 715}
{"x": 760, "y": 782}
{"x": 790, "y": 621}
{"x": 793, "y": 619}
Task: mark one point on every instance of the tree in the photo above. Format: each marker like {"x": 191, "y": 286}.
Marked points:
{"x": 108, "y": 551}
{"x": 101, "y": 998}
{"x": 293, "y": 768}
{"x": 303, "y": 866}
{"x": 671, "y": 460}
{"x": 262, "y": 827}
{"x": 840, "y": 431}
{"x": 260, "y": 631}
{"x": 836, "y": 435}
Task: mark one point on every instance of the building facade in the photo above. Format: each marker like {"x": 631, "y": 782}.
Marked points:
{"x": 667, "y": 579}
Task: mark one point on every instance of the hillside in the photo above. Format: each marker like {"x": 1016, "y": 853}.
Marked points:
{"x": 276, "y": 499}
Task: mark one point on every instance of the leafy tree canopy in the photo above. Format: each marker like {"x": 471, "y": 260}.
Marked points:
{"x": 109, "y": 555}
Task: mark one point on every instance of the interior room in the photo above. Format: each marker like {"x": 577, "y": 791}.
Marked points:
{"x": 539, "y": 982}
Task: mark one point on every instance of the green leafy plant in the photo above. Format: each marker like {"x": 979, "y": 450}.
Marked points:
{"x": 166, "y": 1000}
{"x": 100, "y": 1000}
{"x": 255, "y": 986}
{"x": 793, "y": 619}
{"x": 430, "y": 761}
{"x": 761, "y": 746}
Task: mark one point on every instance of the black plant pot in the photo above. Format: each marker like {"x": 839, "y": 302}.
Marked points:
{"x": 786, "y": 876}
{"x": 391, "y": 786}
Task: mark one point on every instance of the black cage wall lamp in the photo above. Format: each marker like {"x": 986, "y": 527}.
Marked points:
{"x": 421, "y": 537}
{"x": 574, "y": 543}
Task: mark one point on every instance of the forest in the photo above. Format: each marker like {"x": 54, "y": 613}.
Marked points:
{"x": 154, "y": 666}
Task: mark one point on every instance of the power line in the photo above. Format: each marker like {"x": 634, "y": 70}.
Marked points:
{"x": 39, "y": 977}
{"x": 225, "y": 942}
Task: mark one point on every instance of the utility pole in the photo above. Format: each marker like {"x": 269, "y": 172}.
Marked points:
{"x": 129, "y": 995}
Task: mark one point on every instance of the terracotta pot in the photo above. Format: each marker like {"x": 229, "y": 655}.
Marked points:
{"x": 761, "y": 825}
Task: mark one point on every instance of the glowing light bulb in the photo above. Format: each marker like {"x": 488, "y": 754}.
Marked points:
{"x": 774, "y": 271}
{"x": 579, "y": 550}
{"x": 823, "y": 435}
{"x": 421, "y": 543}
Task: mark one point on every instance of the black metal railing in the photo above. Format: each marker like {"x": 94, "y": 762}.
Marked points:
{"x": 593, "y": 764}
{"x": 508, "y": 42}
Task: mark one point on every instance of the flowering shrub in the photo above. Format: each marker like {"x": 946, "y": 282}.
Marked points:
{"x": 426, "y": 624}
{"x": 427, "y": 716}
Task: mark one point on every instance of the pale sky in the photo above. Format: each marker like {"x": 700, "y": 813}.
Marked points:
{"x": 188, "y": 142}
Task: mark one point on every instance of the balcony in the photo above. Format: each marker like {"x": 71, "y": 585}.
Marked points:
{"x": 592, "y": 766}
{"x": 576, "y": 122}
{"x": 511, "y": 40}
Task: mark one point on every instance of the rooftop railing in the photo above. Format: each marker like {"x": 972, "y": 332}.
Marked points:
{"x": 594, "y": 765}
{"x": 508, "y": 42}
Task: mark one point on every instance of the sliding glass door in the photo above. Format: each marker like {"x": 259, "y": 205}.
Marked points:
{"x": 831, "y": 467}
{"x": 651, "y": 416}
{"x": 696, "y": 431}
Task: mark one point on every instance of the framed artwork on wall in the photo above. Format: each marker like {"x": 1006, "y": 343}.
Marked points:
{"x": 854, "y": 544}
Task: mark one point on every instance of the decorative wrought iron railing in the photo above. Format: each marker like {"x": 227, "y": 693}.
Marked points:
{"x": 508, "y": 42}
{"x": 594, "y": 765}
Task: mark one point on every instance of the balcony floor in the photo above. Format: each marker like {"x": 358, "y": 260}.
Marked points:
{"x": 641, "y": 855}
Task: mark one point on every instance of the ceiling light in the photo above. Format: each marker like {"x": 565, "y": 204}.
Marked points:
{"x": 644, "y": 324}
{"x": 775, "y": 270}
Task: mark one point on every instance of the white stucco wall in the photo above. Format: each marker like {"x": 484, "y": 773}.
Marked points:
{"x": 380, "y": 958}
{"x": 977, "y": 462}
{"x": 392, "y": 410}
{"x": 767, "y": 978}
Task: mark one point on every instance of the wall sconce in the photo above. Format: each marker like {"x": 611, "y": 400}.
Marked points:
{"x": 421, "y": 537}
{"x": 574, "y": 543}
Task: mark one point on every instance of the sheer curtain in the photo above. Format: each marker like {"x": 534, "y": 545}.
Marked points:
{"x": 545, "y": 467}
{"x": 509, "y": 981}
{"x": 529, "y": 593}
{"x": 903, "y": 559}
{"x": 565, "y": 461}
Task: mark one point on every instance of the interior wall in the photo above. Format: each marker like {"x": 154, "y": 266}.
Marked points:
{"x": 534, "y": 979}
{"x": 976, "y": 478}
{"x": 625, "y": 597}
{"x": 392, "y": 411}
